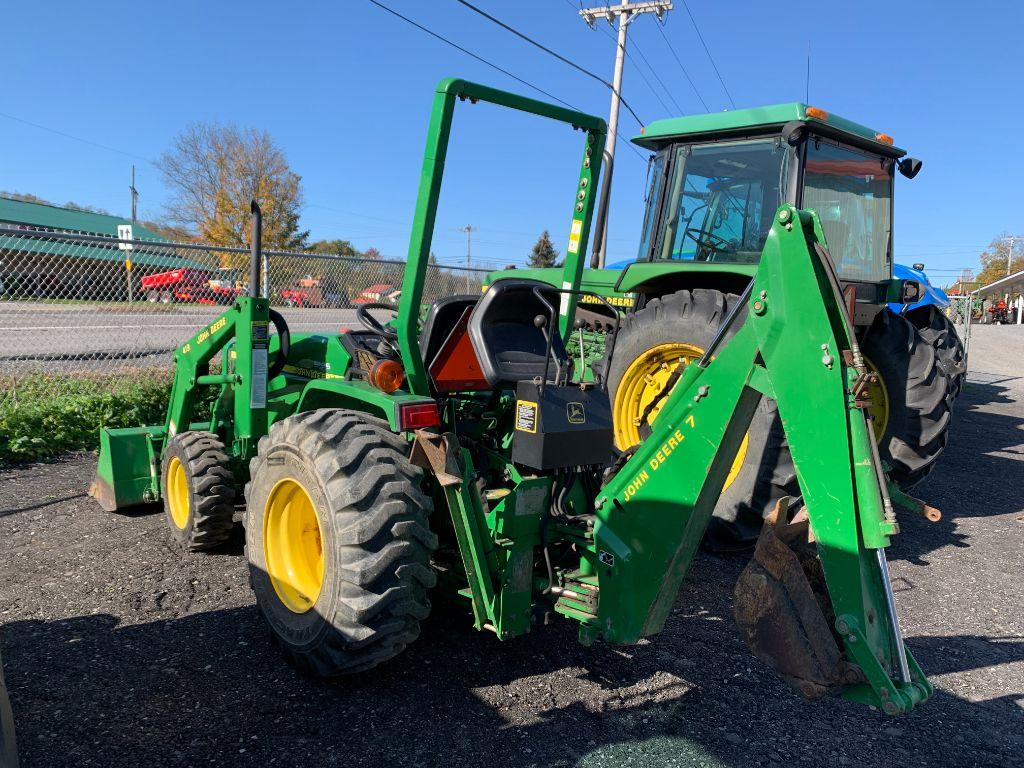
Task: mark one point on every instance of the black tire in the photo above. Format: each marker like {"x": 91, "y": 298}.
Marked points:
{"x": 918, "y": 395}
{"x": 936, "y": 329}
{"x": 209, "y": 485}
{"x": 152, "y": 296}
{"x": 766, "y": 473}
{"x": 374, "y": 536}
{"x": 8, "y": 746}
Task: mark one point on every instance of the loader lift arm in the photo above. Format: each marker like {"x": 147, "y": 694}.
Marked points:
{"x": 796, "y": 345}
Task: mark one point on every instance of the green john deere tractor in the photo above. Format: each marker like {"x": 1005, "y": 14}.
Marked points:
{"x": 455, "y": 448}
{"x": 715, "y": 182}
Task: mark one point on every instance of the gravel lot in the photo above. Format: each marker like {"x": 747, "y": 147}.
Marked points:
{"x": 121, "y": 651}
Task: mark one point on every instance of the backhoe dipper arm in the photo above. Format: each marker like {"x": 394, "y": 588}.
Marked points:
{"x": 794, "y": 343}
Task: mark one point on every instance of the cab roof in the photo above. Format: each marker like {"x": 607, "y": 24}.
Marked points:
{"x": 761, "y": 120}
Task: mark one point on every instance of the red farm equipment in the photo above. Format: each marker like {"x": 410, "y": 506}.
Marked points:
{"x": 193, "y": 286}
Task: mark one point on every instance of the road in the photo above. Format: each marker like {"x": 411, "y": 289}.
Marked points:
{"x": 120, "y": 651}
{"x": 73, "y": 336}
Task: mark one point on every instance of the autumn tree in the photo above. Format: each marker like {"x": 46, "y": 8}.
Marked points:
{"x": 543, "y": 253}
{"x": 215, "y": 170}
{"x": 994, "y": 260}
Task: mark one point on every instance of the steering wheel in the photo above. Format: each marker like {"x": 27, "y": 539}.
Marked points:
{"x": 371, "y": 323}
{"x": 701, "y": 237}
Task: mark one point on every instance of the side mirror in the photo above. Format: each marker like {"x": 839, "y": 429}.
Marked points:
{"x": 910, "y": 167}
{"x": 911, "y": 291}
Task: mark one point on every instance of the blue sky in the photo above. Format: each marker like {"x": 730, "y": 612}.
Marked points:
{"x": 345, "y": 88}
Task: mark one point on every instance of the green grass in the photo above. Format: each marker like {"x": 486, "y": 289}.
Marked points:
{"x": 44, "y": 416}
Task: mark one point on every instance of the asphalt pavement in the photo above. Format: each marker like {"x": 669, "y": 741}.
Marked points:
{"x": 93, "y": 336}
{"x": 121, "y": 651}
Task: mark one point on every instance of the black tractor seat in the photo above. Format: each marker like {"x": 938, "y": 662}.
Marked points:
{"x": 509, "y": 346}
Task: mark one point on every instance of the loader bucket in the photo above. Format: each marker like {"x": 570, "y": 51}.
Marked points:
{"x": 126, "y": 473}
{"x": 781, "y": 604}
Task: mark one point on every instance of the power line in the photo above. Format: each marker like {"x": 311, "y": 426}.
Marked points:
{"x": 547, "y": 50}
{"x": 75, "y": 138}
{"x": 680, "y": 63}
{"x": 654, "y": 72}
{"x": 708, "y": 52}
{"x": 495, "y": 66}
{"x": 481, "y": 59}
{"x": 640, "y": 71}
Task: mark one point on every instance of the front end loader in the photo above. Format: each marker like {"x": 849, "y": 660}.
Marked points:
{"x": 458, "y": 447}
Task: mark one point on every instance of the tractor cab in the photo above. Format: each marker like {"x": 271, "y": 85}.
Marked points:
{"x": 717, "y": 180}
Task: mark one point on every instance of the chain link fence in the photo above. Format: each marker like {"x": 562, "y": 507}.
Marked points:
{"x": 77, "y": 304}
{"x": 964, "y": 310}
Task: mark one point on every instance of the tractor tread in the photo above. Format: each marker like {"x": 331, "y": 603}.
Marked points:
{"x": 920, "y": 415}
{"x": 380, "y": 538}
{"x": 937, "y": 331}
{"x": 212, "y": 486}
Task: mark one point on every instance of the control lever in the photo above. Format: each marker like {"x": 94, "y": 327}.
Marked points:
{"x": 579, "y": 330}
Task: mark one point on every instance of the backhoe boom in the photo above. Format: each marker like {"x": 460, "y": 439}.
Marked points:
{"x": 793, "y": 342}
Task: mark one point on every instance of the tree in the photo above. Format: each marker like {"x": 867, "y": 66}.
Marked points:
{"x": 993, "y": 260}
{"x": 169, "y": 231}
{"x": 543, "y": 253}
{"x": 215, "y": 170}
{"x": 334, "y": 247}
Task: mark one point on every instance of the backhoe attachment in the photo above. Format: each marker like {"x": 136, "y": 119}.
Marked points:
{"x": 816, "y": 601}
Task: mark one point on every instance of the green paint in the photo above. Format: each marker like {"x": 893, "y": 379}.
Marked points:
{"x": 621, "y": 559}
{"x": 740, "y": 121}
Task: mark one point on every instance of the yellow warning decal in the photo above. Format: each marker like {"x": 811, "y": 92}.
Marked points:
{"x": 574, "y": 236}
{"x": 526, "y": 416}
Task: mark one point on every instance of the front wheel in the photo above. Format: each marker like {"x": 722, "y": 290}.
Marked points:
{"x": 338, "y": 541}
{"x": 198, "y": 490}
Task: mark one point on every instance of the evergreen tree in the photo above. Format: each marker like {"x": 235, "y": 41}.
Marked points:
{"x": 543, "y": 254}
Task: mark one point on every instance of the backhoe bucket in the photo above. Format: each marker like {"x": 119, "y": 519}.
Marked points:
{"x": 781, "y": 606}
{"x": 126, "y": 473}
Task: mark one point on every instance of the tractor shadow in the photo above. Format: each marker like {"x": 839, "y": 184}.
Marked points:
{"x": 210, "y": 687}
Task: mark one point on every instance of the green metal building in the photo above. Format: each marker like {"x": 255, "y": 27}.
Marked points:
{"x": 59, "y": 265}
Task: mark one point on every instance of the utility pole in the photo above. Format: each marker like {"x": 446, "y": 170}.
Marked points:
{"x": 1009, "y": 253}
{"x": 128, "y": 261}
{"x": 623, "y": 13}
{"x": 469, "y": 259}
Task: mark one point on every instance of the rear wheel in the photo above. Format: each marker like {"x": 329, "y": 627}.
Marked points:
{"x": 937, "y": 330}
{"x": 198, "y": 490}
{"x": 676, "y": 328}
{"x": 152, "y": 296}
{"x": 338, "y": 541}
{"x": 911, "y": 404}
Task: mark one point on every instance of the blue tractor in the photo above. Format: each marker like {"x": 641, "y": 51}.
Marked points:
{"x": 929, "y": 314}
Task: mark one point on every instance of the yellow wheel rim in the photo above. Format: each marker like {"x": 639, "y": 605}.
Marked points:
{"x": 643, "y": 380}
{"x": 176, "y": 484}
{"x": 292, "y": 547}
{"x": 879, "y": 408}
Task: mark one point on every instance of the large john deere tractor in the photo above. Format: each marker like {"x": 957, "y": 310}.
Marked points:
{"x": 454, "y": 447}
{"x": 715, "y": 182}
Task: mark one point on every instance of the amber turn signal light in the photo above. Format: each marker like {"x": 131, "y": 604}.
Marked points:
{"x": 387, "y": 375}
